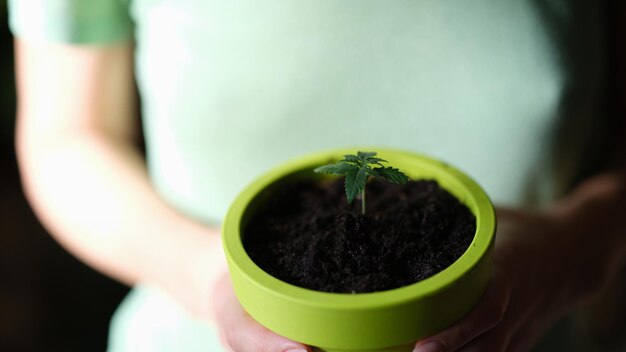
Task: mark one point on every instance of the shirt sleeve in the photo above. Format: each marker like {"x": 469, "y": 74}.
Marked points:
{"x": 71, "y": 21}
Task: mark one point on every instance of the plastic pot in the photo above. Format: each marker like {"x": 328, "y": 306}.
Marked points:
{"x": 386, "y": 321}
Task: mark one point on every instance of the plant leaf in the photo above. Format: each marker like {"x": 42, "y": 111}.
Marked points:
{"x": 357, "y": 168}
{"x": 351, "y": 158}
{"x": 336, "y": 169}
{"x": 377, "y": 161}
{"x": 369, "y": 157}
{"x": 390, "y": 174}
{"x": 365, "y": 155}
{"x": 355, "y": 182}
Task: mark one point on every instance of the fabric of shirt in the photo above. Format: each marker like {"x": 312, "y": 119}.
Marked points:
{"x": 508, "y": 91}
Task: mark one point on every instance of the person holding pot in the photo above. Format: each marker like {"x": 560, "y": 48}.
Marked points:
{"x": 514, "y": 93}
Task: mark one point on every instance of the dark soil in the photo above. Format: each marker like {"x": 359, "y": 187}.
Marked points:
{"x": 308, "y": 235}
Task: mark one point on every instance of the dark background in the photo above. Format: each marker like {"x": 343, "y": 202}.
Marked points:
{"x": 49, "y": 301}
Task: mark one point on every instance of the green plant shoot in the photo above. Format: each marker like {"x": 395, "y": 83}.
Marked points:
{"x": 358, "y": 169}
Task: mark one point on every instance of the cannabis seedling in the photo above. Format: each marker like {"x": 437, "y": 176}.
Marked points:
{"x": 358, "y": 169}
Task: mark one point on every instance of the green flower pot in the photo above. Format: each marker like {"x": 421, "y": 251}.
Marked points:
{"x": 386, "y": 321}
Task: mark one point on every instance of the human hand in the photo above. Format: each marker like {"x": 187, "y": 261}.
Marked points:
{"x": 539, "y": 275}
{"x": 238, "y": 331}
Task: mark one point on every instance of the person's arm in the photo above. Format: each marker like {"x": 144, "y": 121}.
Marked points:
{"x": 88, "y": 183}
{"x": 546, "y": 263}
{"x": 89, "y": 186}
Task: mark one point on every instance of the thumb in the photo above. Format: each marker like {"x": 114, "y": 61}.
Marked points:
{"x": 486, "y": 315}
{"x": 242, "y": 333}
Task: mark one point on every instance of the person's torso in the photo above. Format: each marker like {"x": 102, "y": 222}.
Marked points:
{"x": 505, "y": 90}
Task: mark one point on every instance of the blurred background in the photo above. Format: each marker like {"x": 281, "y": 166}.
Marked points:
{"x": 49, "y": 301}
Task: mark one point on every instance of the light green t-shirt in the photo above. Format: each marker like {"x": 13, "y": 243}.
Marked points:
{"x": 508, "y": 91}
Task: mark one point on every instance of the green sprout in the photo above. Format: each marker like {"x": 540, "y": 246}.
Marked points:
{"x": 358, "y": 169}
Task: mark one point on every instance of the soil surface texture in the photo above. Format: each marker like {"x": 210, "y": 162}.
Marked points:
{"x": 308, "y": 235}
